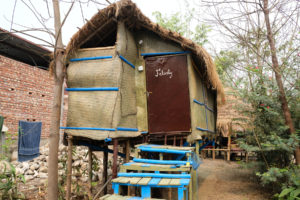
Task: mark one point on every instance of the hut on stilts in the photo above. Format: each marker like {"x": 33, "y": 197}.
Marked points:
{"x": 130, "y": 81}
{"x": 230, "y": 122}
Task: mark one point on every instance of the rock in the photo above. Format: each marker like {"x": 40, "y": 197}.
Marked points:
{"x": 62, "y": 148}
{"x": 19, "y": 171}
{"x": 28, "y": 177}
{"x": 25, "y": 166}
{"x": 60, "y": 165}
{"x": 109, "y": 172}
{"x": 29, "y": 172}
{"x": 42, "y": 158}
{"x": 14, "y": 156}
{"x": 84, "y": 179}
{"x": 44, "y": 169}
{"x": 76, "y": 163}
{"x": 36, "y": 174}
{"x": 14, "y": 163}
{"x": 43, "y": 175}
{"x": 95, "y": 177}
{"x": 35, "y": 166}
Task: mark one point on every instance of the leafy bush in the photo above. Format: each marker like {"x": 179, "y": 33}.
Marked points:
{"x": 9, "y": 182}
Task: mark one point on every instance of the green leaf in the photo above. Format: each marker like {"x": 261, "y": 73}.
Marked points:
{"x": 286, "y": 191}
{"x": 296, "y": 193}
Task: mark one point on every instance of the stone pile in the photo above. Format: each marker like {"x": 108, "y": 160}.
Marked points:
{"x": 38, "y": 167}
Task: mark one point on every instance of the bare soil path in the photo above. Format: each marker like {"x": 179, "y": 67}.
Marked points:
{"x": 221, "y": 180}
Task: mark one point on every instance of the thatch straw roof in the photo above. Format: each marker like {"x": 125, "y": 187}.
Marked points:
{"x": 134, "y": 19}
{"x": 230, "y": 119}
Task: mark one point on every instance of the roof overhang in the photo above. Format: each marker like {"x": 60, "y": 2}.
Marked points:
{"x": 20, "y": 49}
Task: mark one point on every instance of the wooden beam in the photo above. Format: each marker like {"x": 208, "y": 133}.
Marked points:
{"x": 69, "y": 168}
{"x": 104, "y": 173}
{"x": 127, "y": 151}
{"x": 228, "y": 147}
{"x": 115, "y": 159}
{"x": 174, "y": 140}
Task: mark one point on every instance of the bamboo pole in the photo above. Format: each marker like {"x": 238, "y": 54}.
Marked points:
{"x": 69, "y": 168}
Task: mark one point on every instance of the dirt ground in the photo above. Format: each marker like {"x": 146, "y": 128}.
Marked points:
{"x": 222, "y": 180}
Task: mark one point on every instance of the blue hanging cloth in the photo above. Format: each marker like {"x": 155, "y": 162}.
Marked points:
{"x": 29, "y": 140}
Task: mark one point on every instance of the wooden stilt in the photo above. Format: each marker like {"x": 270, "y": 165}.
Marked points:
{"x": 161, "y": 156}
{"x": 166, "y": 139}
{"x": 194, "y": 184}
{"x": 181, "y": 141}
{"x": 197, "y": 146}
{"x": 228, "y": 147}
{"x": 174, "y": 141}
{"x": 90, "y": 172}
{"x": 213, "y": 150}
{"x": 69, "y": 168}
{"x": 104, "y": 173}
{"x": 128, "y": 150}
{"x": 115, "y": 159}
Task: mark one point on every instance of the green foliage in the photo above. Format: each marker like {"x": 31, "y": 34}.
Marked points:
{"x": 9, "y": 182}
{"x": 182, "y": 24}
{"x": 9, "y": 179}
{"x": 267, "y": 134}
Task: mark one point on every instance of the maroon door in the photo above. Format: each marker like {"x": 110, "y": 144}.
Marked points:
{"x": 168, "y": 94}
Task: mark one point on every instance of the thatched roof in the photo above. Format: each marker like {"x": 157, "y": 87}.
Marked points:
{"x": 230, "y": 119}
{"x": 126, "y": 11}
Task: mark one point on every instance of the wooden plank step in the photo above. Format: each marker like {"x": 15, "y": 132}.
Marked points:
{"x": 165, "y": 146}
{"x": 144, "y": 181}
{"x": 164, "y": 181}
{"x": 124, "y": 180}
{"x": 116, "y": 180}
{"x": 134, "y": 180}
{"x": 175, "y": 181}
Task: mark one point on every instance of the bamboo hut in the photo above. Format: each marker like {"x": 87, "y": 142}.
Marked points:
{"x": 128, "y": 76}
{"x": 231, "y": 121}
{"x": 131, "y": 81}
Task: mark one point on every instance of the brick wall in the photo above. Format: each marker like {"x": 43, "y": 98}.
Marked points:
{"x": 26, "y": 93}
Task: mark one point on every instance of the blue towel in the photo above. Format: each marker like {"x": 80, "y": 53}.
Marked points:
{"x": 29, "y": 140}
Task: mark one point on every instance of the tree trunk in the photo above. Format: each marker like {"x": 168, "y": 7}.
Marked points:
{"x": 58, "y": 72}
{"x": 282, "y": 97}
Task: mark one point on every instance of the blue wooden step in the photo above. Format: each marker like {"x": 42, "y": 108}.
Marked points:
{"x": 162, "y": 162}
